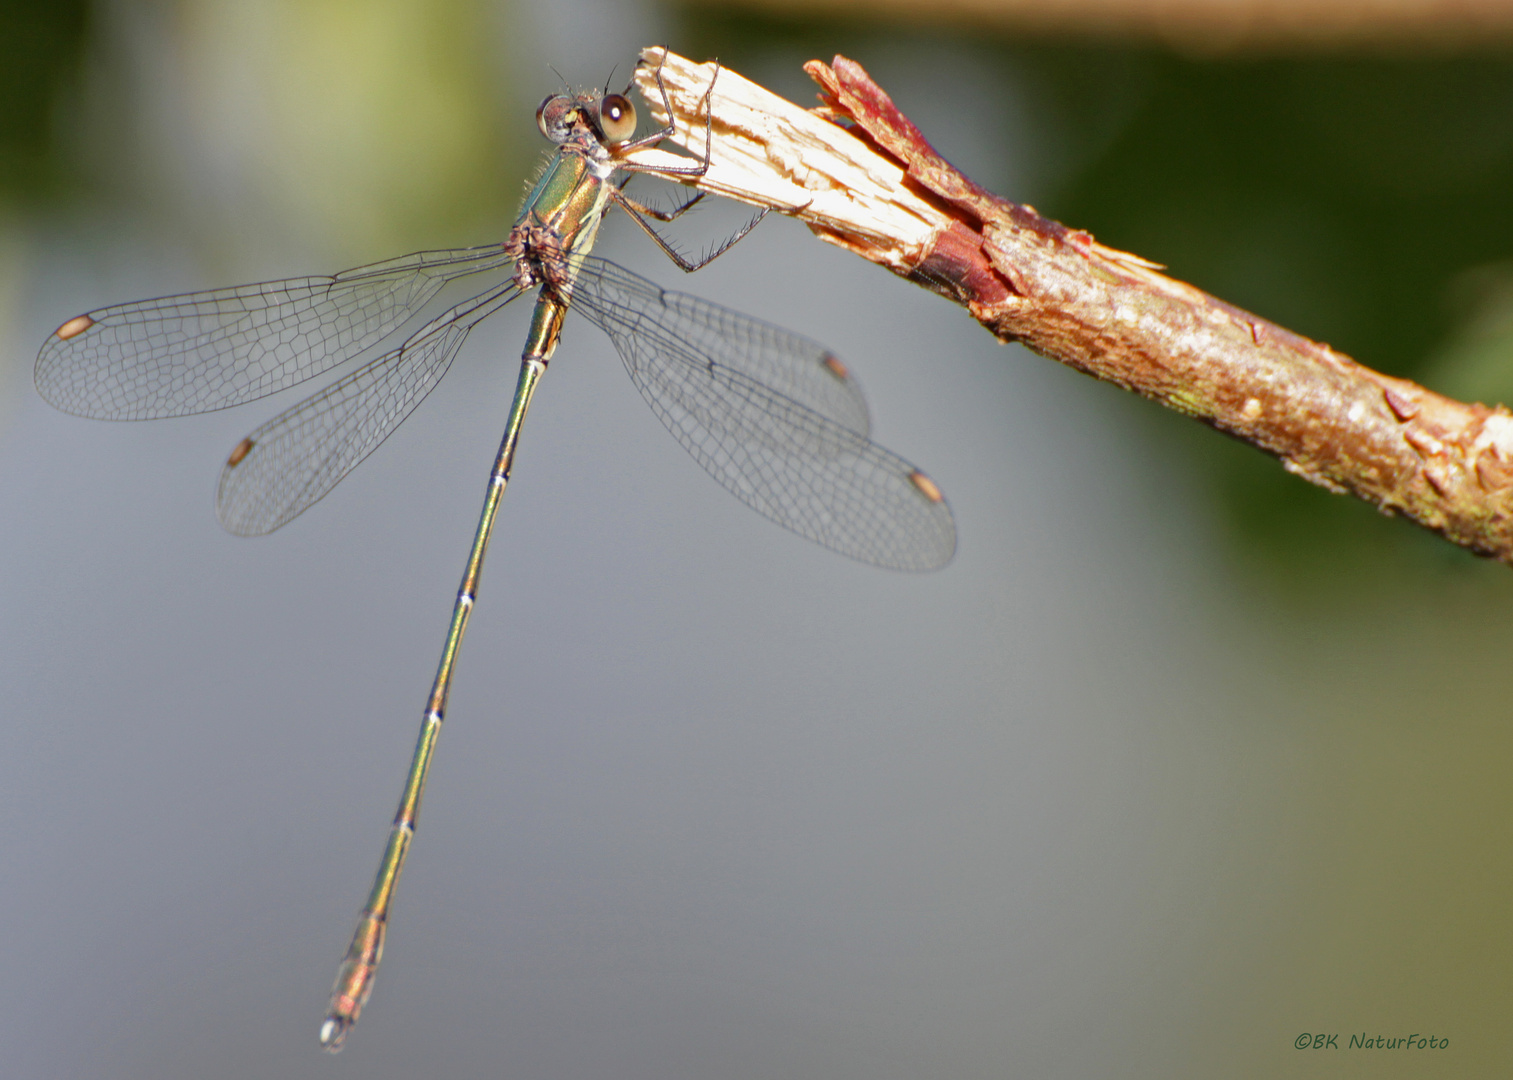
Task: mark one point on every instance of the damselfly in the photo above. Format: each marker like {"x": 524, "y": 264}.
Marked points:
{"x": 775, "y": 418}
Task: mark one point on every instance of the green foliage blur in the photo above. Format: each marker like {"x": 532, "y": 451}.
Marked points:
{"x": 1363, "y": 200}
{"x": 354, "y": 128}
{"x": 41, "y": 45}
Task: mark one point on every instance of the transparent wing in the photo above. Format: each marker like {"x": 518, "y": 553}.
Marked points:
{"x": 197, "y": 352}
{"x": 788, "y": 448}
{"x": 799, "y": 369}
{"x": 291, "y": 462}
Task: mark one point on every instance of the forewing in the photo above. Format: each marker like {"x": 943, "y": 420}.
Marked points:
{"x": 197, "y": 352}
{"x": 797, "y": 465}
{"x": 291, "y": 462}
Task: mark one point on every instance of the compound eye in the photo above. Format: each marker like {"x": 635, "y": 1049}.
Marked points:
{"x": 551, "y": 116}
{"x": 617, "y": 118}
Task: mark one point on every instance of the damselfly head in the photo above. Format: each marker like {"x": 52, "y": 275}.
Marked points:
{"x": 609, "y": 118}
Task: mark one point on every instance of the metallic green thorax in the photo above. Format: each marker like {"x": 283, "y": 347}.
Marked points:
{"x": 565, "y": 206}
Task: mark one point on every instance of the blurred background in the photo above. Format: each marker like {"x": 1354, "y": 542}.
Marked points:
{"x": 1180, "y": 759}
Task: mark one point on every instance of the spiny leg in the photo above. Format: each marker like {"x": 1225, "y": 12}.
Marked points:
{"x": 639, "y": 211}
{"x": 692, "y": 171}
{"x": 654, "y": 212}
{"x": 636, "y": 211}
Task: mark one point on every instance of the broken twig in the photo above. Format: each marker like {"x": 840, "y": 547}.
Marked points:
{"x": 861, "y": 176}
